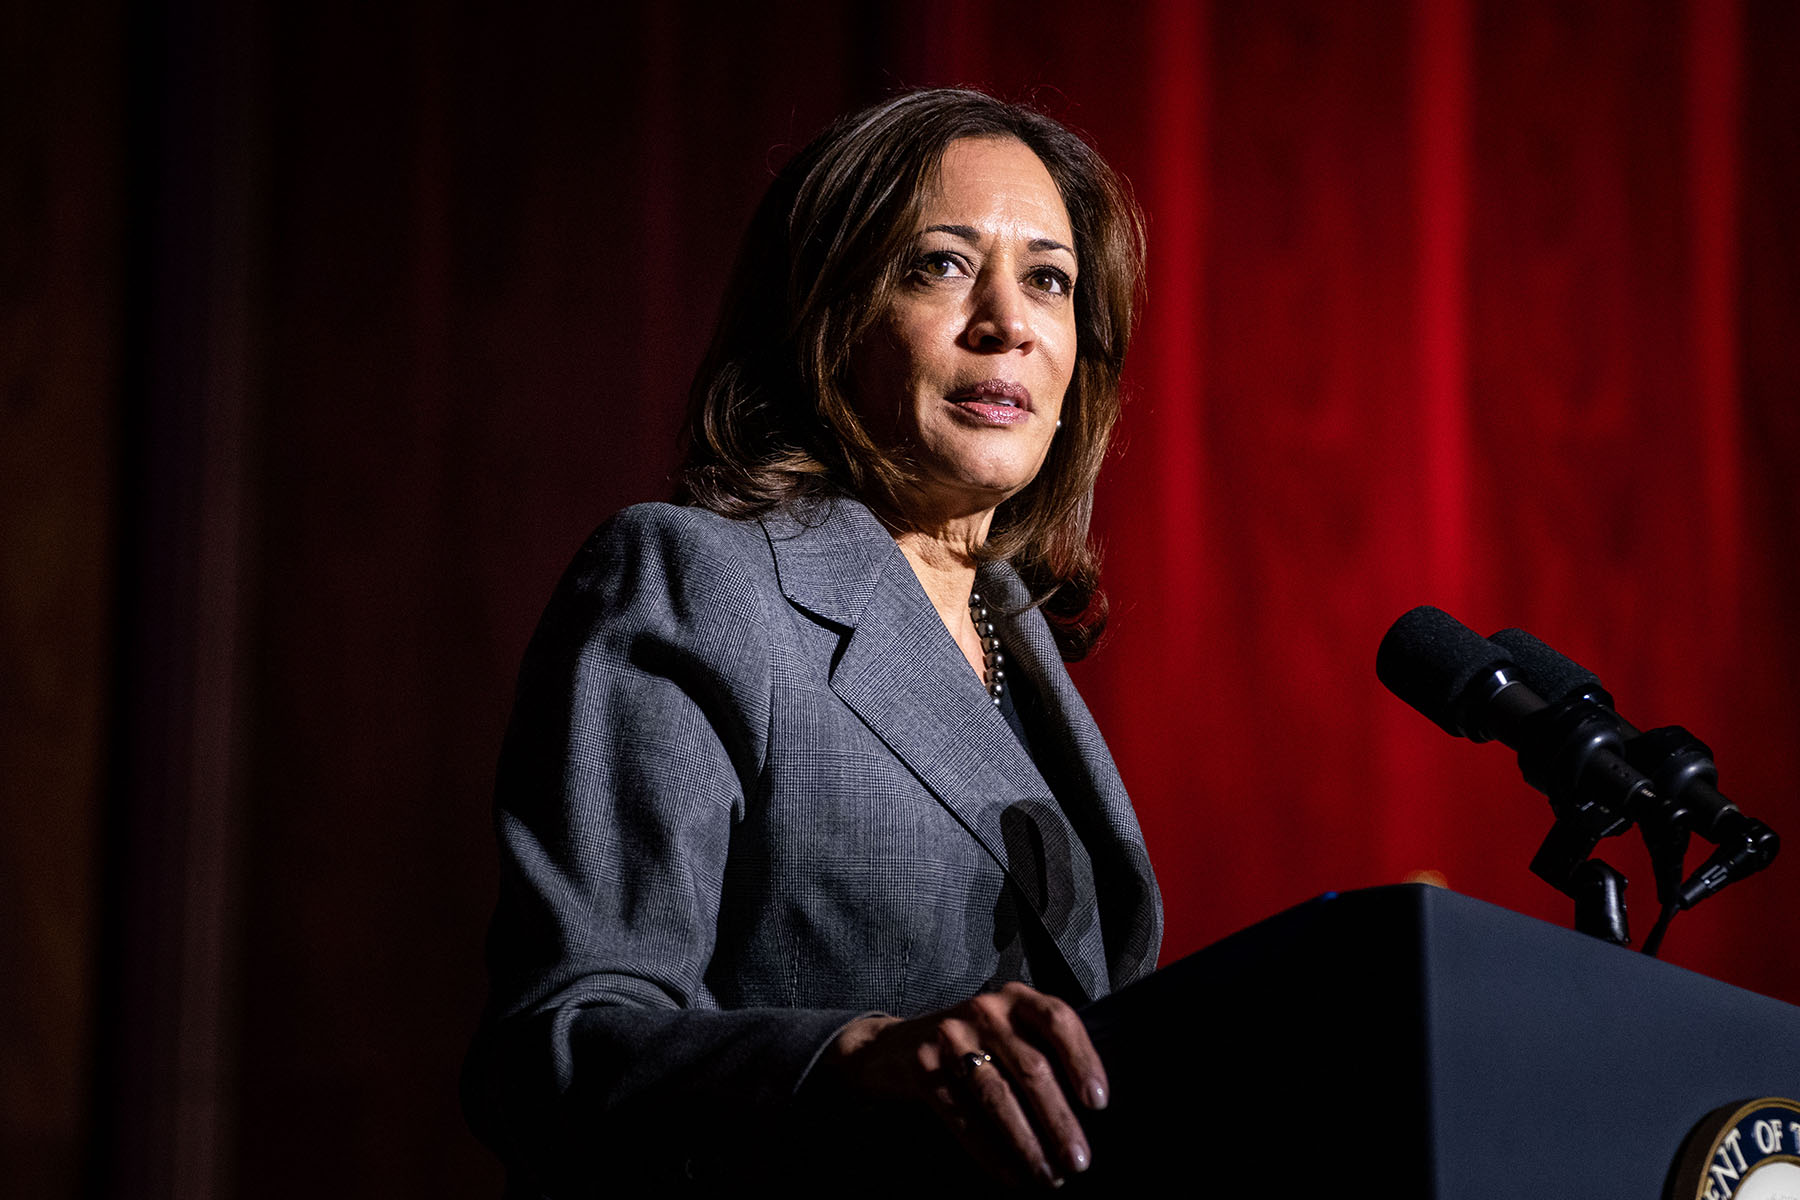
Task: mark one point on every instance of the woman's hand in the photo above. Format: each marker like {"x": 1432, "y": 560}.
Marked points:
{"x": 1005, "y": 1071}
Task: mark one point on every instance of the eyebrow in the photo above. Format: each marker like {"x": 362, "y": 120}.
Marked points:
{"x": 969, "y": 233}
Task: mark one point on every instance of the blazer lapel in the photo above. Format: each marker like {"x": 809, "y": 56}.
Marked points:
{"x": 1089, "y": 784}
{"x": 903, "y": 675}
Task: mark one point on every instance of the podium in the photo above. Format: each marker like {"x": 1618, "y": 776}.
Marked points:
{"x": 1410, "y": 1042}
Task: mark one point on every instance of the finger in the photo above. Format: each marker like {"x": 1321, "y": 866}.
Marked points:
{"x": 1058, "y": 1028}
{"x": 980, "y": 1107}
{"x": 1038, "y": 1086}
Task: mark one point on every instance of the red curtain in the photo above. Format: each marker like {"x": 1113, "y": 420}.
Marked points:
{"x": 1478, "y": 303}
{"x": 1458, "y": 304}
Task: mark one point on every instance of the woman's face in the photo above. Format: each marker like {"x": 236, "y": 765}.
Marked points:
{"x": 967, "y": 368}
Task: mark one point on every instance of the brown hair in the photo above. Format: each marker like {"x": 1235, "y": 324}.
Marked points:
{"x": 770, "y": 417}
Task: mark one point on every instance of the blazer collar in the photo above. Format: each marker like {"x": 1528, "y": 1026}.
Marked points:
{"x": 901, "y": 672}
{"x": 831, "y": 556}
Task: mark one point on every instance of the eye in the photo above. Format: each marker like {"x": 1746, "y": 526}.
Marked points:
{"x": 938, "y": 264}
{"x": 1052, "y": 280}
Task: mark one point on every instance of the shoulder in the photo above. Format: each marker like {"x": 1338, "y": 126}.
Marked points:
{"x": 827, "y": 559}
{"x": 662, "y": 571}
{"x": 676, "y": 533}
{"x": 648, "y": 544}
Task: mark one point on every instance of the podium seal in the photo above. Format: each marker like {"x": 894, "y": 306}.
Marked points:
{"x": 1744, "y": 1151}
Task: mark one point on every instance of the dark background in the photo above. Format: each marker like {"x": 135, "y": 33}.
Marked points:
{"x": 328, "y": 330}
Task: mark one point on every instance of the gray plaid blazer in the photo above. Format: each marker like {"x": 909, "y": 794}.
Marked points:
{"x": 751, "y": 790}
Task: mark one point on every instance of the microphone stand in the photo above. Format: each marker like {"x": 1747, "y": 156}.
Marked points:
{"x": 1682, "y": 798}
{"x": 1559, "y": 759}
{"x": 1684, "y": 773}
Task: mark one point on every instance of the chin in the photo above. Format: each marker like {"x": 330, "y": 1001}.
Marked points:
{"x": 991, "y": 489}
{"x": 976, "y": 476}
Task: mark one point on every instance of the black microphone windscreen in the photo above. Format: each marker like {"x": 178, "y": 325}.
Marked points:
{"x": 1553, "y": 676}
{"x": 1429, "y": 659}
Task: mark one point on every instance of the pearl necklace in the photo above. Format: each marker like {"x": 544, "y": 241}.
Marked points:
{"x": 993, "y": 677}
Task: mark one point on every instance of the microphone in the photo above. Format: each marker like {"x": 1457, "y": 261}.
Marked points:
{"x": 1465, "y": 684}
{"x": 1569, "y": 750}
{"x": 1554, "y": 675}
{"x": 1680, "y": 767}
{"x": 1471, "y": 687}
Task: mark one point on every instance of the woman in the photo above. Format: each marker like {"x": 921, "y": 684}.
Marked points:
{"x": 803, "y": 825}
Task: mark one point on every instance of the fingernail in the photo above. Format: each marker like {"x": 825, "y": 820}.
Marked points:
{"x": 1096, "y": 1096}
{"x": 1080, "y": 1154}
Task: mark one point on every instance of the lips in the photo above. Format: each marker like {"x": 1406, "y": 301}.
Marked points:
{"x": 1003, "y": 393}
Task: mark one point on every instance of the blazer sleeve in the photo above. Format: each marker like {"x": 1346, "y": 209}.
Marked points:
{"x": 639, "y": 730}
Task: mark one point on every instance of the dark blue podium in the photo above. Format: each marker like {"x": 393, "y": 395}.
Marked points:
{"x": 1410, "y": 1042}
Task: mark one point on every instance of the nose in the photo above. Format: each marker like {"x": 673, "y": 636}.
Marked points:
{"x": 998, "y": 319}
